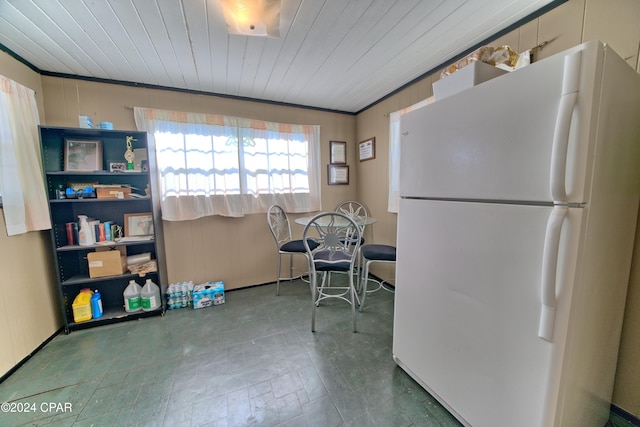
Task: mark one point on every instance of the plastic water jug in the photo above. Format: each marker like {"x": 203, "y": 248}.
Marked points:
{"x": 82, "y": 306}
{"x": 132, "y": 298}
{"x": 96, "y": 305}
{"x": 150, "y": 296}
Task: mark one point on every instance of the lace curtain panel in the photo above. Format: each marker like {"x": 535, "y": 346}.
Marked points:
{"x": 24, "y": 197}
{"x": 211, "y": 164}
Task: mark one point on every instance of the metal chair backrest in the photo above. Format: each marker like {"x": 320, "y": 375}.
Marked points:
{"x": 338, "y": 236}
{"x": 279, "y": 224}
{"x": 354, "y": 210}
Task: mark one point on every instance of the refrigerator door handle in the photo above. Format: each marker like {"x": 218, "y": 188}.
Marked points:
{"x": 549, "y": 270}
{"x": 570, "y": 87}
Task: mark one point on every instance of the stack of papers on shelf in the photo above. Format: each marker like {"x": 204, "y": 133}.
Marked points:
{"x": 135, "y": 239}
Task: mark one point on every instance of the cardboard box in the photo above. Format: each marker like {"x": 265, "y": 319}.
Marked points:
{"x": 208, "y": 294}
{"x": 104, "y": 263}
{"x": 113, "y": 192}
{"x": 465, "y": 78}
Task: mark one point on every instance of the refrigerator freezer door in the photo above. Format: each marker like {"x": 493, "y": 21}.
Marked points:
{"x": 468, "y": 303}
{"x": 496, "y": 141}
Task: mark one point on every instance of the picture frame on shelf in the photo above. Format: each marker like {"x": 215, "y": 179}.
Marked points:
{"x": 82, "y": 155}
{"x": 117, "y": 166}
{"x": 338, "y": 152}
{"x": 138, "y": 224}
{"x": 367, "y": 149}
{"x": 338, "y": 174}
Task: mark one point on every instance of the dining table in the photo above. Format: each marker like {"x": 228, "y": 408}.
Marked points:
{"x": 359, "y": 220}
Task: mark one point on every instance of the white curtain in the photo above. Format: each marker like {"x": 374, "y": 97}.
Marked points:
{"x": 210, "y": 164}
{"x": 394, "y": 152}
{"x": 24, "y": 198}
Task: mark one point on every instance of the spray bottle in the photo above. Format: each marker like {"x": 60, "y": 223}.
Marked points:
{"x": 85, "y": 236}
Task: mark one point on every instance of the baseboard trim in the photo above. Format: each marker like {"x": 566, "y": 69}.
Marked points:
{"x": 625, "y": 415}
{"x": 29, "y": 356}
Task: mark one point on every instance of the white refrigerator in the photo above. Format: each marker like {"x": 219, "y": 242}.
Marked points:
{"x": 516, "y": 225}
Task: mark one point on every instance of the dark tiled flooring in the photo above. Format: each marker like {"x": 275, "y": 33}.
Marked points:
{"x": 250, "y": 362}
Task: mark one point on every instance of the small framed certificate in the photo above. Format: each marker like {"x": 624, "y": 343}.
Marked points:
{"x": 82, "y": 155}
{"x": 338, "y": 152}
{"x": 338, "y": 174}
{"x": 367, "y": 149}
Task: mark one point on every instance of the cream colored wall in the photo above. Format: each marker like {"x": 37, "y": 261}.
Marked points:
{"x": 567, "y": 25}
{"x": 28, "y": 307}
{"x": 239, "y": 251}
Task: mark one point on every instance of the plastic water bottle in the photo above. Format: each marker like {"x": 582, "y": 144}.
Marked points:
{"x": 132, "y": 298}
{"x": 96, "y": 305}
{"x": 150, "y": 296}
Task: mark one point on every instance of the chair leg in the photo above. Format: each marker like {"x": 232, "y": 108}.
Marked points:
{"x": 353, "y": 302}
{"x": 365, "y": 281}
{"x": 312, "y": 279}
{"x": 278, "y": 279}
{"x": 290, "y": 267}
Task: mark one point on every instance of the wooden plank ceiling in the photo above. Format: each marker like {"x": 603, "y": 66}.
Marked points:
{"x": 339, "y": 55}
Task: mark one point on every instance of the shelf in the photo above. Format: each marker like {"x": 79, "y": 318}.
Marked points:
{"x": 95, "y": 199}
{"x": 95, "y": 173}
{"x": 82, "y": 279}
{"x": 72, "y": 261}
{"x": 70, "y": 248}
{"x": 113, "y": 315}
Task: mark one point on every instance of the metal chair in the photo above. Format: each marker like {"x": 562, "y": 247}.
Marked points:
{"x": 281, "y": 230}
{"x": 357, "y": 212}
{"x": 371, "y": 254}
{"x": 338, "y": 238}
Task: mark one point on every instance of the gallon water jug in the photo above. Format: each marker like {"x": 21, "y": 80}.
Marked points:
{"x": 96, "y": 305}
{"x": 150, "y": 296}
{"x": 132, "y": 299}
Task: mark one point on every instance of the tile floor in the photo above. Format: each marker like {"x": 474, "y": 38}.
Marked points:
{"x": 250, "y": 362}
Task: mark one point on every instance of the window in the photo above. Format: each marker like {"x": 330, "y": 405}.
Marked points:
{"x": 230, "y": 166}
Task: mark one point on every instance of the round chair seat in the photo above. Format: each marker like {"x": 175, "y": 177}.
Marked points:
{"x": 371, "y": 254}
{"x": 379, "y": 252}
{"x": 298, "y": 246}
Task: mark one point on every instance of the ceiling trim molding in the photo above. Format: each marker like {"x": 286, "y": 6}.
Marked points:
{"x": 159, "y": 87}
{"x": 19, "y": 58}
{"x": 190, "y": 91}
{"x": 499, "y": 34}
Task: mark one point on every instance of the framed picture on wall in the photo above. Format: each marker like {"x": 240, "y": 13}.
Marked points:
{"x": 367, "y": 149}
{"x": 338, "y": 153}
{"x": 338, "y": 174}
{"x": 83, "y": 155}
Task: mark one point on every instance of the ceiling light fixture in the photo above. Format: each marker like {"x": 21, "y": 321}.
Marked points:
{"x": 252, "y": 17}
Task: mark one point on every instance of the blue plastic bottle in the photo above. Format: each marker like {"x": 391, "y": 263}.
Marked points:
{"x": 96, "y": 305}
